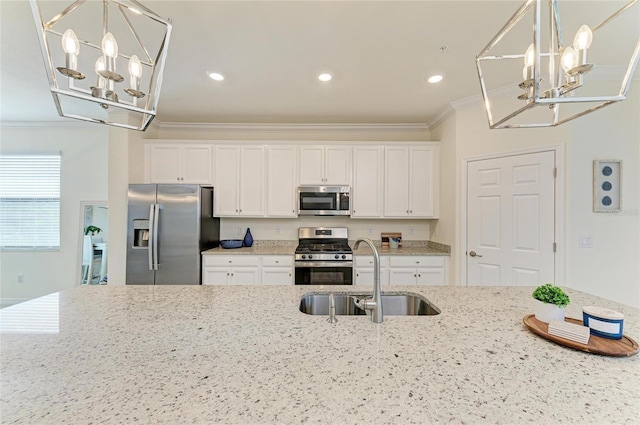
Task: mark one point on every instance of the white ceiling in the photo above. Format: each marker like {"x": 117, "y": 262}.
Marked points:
{"x": 380, "y": 53}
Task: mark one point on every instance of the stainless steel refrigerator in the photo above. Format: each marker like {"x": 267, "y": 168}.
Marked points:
{"x": 168, "y": 227}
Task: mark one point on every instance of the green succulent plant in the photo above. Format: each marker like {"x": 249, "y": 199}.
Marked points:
{"x": 551, "y": 294}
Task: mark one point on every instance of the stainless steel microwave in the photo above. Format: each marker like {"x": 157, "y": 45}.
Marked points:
{"x": 324, "y": 200}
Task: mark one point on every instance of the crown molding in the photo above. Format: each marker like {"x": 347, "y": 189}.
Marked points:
{"x": 441, "y": 116}
{"x": 285, "y": 128}
{"x": 63, "y": 124}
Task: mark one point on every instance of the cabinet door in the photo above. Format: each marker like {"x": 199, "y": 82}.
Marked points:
{"x": 421, "y": 187}
{"x": 163, "y": 164}
{"x": 367, "y": 191}
{"x": 277, "y": 275}
{"x": 337, "y": 165}
{"x": 252, "y": 181}
{"x": 402, "y": 276}
{"x": 226, "y": 175}
{"x": 244, "y": 276}
{"x": 196, "y": 165}
{"x": 311, "y": 165}
{"x": 363, "y": 276}
{"x": 215, "y": 276}
{"x": 396, "y": 178}
{"x": 281, "y": 181}
{"x": 430, "y": 276}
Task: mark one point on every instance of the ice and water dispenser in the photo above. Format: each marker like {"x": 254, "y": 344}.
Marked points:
{"x": 140, "y": 233}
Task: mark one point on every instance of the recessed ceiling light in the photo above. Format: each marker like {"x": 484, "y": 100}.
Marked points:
{"x": 216, "y": 76}
{"x": 435, "y": 78}
{"x": 325, "y": 77}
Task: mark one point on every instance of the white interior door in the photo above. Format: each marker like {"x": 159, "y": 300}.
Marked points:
{"x": 510, "y": 220}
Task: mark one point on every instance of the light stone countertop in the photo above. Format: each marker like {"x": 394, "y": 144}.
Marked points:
{"x": 289, "y": 247}
{"x": 246, "y": 355}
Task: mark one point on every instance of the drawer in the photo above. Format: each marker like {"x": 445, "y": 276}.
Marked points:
{"x": 416, "y": 261}
{"x": 367, "y": 261}
{"x": 277, "y": 260}
{"x": 231, "y": 260}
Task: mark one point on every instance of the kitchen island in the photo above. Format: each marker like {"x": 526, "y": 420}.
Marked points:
{"x": 246, "y": 355}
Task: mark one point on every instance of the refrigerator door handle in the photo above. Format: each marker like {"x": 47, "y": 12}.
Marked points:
{"x": 156, "y": 218}
{"x": 151, "y": 235}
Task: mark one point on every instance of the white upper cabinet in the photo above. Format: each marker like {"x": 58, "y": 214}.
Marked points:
{"x": 411, "y": 181}
{"x": 282, "y": 182}
{"x": 177, "y": 163}
{"x": 367, "y": 189}
{"x": 325, "y": 165}
{"x": 239, "y": 181}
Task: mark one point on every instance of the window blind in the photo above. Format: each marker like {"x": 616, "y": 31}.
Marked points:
{"x": 30, "y": 201}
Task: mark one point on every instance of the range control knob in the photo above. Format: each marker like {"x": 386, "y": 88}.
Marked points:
{"x": 344, "y": 256}
{"x": 310, "y": 256}
{"x": 337, "y": 256}
{"x": 304, "y": 257}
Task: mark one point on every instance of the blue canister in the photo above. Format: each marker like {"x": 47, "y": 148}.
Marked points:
{"x": 603, "y": 322}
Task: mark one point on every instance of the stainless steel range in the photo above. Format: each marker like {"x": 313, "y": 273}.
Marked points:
{"x": 323, "y": 256}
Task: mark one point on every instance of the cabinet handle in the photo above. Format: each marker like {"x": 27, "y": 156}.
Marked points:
{"x": 277, "y": 262}
{"x": 407, "y": 211}
{"x": 414, "y": 275}
{"x": 227, "y": 273}
{"x": 419, "y": 275}
{"x": 230, "y": 261}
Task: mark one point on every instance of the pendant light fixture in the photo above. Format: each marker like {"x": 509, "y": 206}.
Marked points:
{"x": 88, "y": 46}
{"x": 554, "y": 75}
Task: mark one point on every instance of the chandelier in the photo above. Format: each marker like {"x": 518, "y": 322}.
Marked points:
{"x": 104, "y": 59}
{"x": 552, "y": 78}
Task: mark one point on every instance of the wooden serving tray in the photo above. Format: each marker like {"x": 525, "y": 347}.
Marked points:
{"x": 597, "y": 345}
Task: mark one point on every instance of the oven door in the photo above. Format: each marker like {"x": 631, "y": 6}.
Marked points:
{"x": 324, "y": 273}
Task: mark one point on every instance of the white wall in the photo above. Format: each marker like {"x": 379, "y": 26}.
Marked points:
{"x": 83, "y": 178}
{"x": 610, "y": 269}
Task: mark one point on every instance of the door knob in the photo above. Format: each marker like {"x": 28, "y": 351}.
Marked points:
{"x": 473, "y": 254}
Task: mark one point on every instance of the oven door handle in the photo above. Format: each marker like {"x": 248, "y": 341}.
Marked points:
{"x": 299, "y": 264}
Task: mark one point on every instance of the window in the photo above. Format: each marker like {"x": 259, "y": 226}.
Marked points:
{"x": 29, "y": 201}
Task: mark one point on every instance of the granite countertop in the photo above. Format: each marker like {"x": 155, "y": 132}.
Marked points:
{"x": 246, "y": 355}
{"x": 288, "y": 248}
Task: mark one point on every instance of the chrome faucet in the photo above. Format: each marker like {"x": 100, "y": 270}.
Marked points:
{"x": 374, "y": 304}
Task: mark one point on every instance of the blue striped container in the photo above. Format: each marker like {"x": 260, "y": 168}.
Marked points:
{"x": 603, "y": 322}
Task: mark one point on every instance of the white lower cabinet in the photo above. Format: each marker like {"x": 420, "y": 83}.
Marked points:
{"x": 363, "y": 270}
{"x": 231, "y": 270}
{"x": 277, "y": 270}
{"x": 247, "y": 269}
{"x": 417, "y": 270}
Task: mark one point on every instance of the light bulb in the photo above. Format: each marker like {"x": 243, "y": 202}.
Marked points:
{"x": 70, "y": 43}
{"x": 569, "y": 59}
{"x": 109, "y": 45}
{"x": 100, "y": 65}
{"x": 135, "y": 68}
{"x": 529, "y": 56}
{"x": 583, "y": 38}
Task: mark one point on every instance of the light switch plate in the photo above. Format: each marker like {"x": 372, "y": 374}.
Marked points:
{"x": 585, "y": 241}
{"x": 607, "y": 185}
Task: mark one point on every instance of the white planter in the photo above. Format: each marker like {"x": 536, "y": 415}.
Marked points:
{"x": 547, "y": 312}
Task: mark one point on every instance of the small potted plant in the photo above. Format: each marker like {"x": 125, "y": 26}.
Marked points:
{"x": 92, "y": 229}
{"x": 551, "y": 302}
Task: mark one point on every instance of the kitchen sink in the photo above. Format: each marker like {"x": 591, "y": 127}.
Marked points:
{"x": 393, "y": 304}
